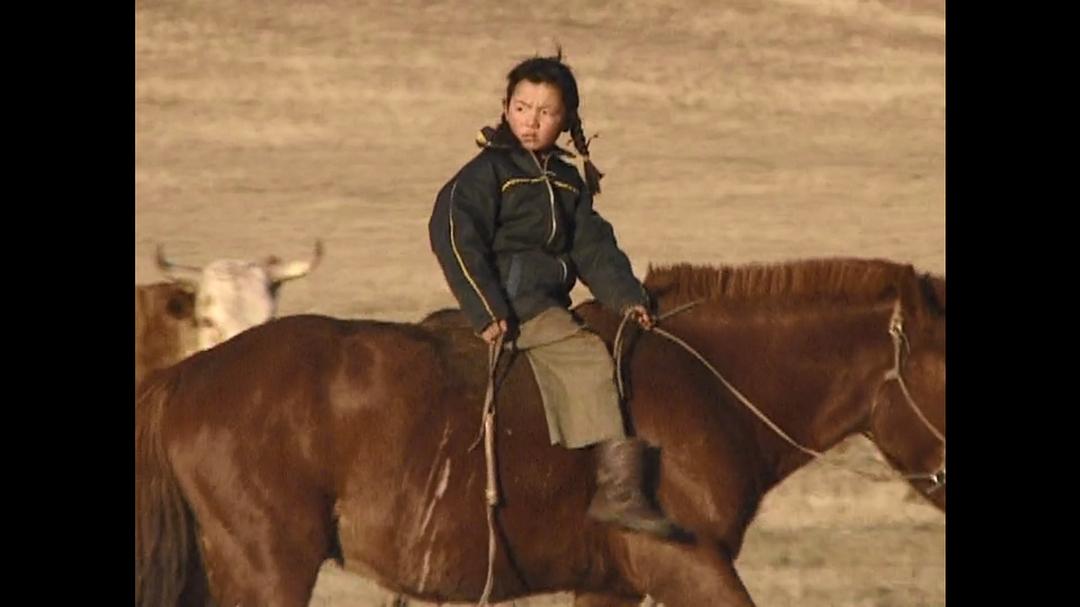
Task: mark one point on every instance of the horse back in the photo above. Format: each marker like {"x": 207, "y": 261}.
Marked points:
{"x": 378, "y": 419}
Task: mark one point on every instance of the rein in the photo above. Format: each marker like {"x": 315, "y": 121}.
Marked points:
{"x": 896, "y": 331}
{"x": 487, "y": 432}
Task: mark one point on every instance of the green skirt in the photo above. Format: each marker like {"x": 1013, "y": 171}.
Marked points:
{"x": 576, "y": 376}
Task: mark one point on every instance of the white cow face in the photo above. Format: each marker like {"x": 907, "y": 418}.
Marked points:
{"x": 233, "y": 295}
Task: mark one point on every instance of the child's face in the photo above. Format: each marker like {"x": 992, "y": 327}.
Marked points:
{"x": 536, "y": 114}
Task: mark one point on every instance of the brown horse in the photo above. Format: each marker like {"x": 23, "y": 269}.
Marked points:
{"x": 310, "y": 437}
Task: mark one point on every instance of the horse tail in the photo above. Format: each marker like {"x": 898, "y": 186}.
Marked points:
{"x": 166, "y": 554}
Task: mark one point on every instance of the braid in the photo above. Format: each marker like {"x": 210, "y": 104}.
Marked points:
{"x": 592, "y": 174}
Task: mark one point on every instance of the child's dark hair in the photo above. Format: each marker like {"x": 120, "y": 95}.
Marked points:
{"x": 551, "y": 70}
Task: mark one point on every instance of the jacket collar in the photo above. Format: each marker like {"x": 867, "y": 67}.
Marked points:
{"x": 502, "y": 138}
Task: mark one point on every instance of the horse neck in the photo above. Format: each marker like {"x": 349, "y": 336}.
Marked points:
{"x": 812, "y": 372}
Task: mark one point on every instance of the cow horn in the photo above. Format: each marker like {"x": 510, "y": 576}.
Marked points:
{"x": 281, "y": 271}
{"x": 176, "y": 272}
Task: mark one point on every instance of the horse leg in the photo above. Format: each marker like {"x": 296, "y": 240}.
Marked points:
{"x": 589, "y": 599}
{"x": 262, "y": 538}
{"x": 275, "y": 566}
{"x": 681, "y": 575}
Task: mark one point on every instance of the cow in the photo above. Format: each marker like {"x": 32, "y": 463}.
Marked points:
{"x": 165, "y": 331}
{"x": 200, "y": 307}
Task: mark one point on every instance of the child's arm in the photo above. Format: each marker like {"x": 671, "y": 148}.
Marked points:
{"x": 603, "y": 267}
{"x": 461, "y": 230}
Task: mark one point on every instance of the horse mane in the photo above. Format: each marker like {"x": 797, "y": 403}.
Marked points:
{"x": 800, "y": 282}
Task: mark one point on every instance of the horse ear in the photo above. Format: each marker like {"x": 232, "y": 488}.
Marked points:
{"x": 934, "y": 289}
{"x": 912, "y": 292}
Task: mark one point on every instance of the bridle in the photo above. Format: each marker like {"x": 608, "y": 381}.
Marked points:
{"x": 900, "y": 347}
{"x": 900, "y": 344}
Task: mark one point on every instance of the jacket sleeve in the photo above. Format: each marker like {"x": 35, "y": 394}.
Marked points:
{"x": 603, "y": 267}
{"x": 461, "y": 230}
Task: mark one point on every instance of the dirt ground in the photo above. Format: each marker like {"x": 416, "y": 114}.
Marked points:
{"x": 730, "y": 132}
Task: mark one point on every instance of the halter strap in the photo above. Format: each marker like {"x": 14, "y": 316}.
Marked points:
{"x": 895, "y": 330}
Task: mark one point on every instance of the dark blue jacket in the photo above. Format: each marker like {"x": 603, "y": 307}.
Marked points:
{"x": 513, "y": 234}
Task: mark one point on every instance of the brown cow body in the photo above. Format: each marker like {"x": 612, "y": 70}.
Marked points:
{"x": 165, "y": 331}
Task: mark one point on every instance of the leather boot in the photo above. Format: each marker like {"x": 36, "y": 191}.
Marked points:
{"x": 619, "y": 498}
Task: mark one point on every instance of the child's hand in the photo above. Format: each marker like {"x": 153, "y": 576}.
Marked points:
{"x": 493, "y": 331}
{"x": 642, "y": 316}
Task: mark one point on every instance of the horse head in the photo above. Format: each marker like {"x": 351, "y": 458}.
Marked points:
{"x": 907, "y": 414}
